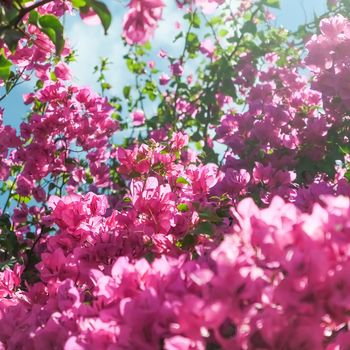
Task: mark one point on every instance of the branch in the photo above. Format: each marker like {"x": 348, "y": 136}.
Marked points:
{"x": 23, "y": 12}
{"x": 181, "y": 59}
{"x": 14, "y": 84}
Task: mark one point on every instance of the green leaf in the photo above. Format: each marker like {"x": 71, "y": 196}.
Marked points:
{"x": 53, "y": 28}
{"x": 5, "y": 221}
{"x": 187, "y": 242}
{"x": 204, "y": 227}
{"x": 9, "y": 14}
{"x": 345, "y": 149}
{"x": 192, "y": 37}
{"x": 78, "y": 3}
{"x": 178, "y": 36}
{"x": 272, "y": 3}
{"x": 33, "y": 17}
{"x": 5, "y": 67}
{"x": 103, "y": 13}
{"x": 223, "y": 32}
{"x": 196, "y": 21}
{"x": 51, "y": 22}
{"x": 7, "y": 263}
{"x": 347, "y": 175}
{"x": 11, "y": 38}
{"x": 249, "y": 27}
{"x": 183, "y": 207}
{"x": 182, "y": 180}
{"x": 24, "y": 199}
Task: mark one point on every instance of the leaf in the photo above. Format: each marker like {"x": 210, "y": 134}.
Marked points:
{"x": 24, "y": 199}
{"x": 204, "y": 227}
{"x": 193, "y": 43}
{"x": 5, "y": 221}
{"x": 103, "y": 13}
{"x": 178, "y": 36}
{"x": 182, "y": 180}
{"x": 347, "y": 175}
{"x": 7, "y": 263}
{"x": 249, "y": 27}
{"x": 187, "y": 242}
{"x": 210, "y": 216}
{"x": 223, "y": 32}
{"x": 52, "y": 185}
{"x": 5, "y": 67}
{"x": 9, "y": 14}
{"x": 78, "y": 3}
{"x": 183, "y": 207}
{"x": 12, "y": 243}
{"x": 53, "y": 28}
{"x": 272, "y": 3}
{"x": 345, "y": 149}
{"x": 196, "y": 21}
{"x": 11, "y": 38}
{"x": 33, "y": 17}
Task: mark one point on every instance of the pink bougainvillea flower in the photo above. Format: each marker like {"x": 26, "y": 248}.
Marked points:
{"x": 138, "y": 118}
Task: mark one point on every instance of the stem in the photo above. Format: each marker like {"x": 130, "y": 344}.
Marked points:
{"x": 9, "y": 196}
{"x": 238, "y": 44}
{"x": 31, "y": 251}
{"x": 181, "y": 59}
{"x": 14, "y": 84}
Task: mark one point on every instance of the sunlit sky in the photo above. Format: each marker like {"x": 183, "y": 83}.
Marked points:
{"x": 91, "y": 44}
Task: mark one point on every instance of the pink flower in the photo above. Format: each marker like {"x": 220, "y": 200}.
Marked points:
{"x": 90, "y": 17}
{"x": 62, "y": 71}
{"x": 164, "y": 79}
{"x": 162, "y": 54}
{"x": 181, "y": 343}
{"x": 39, "y": 194}
{"x": 209, "y": 6}
{"x": 24, "y": 185}
{"x": 141, "y": 20}
{"x": 176, "y": 69}
{"x": 207, "y": 47}
{"x": 138, "y": 118}
{"x": 179, "y": 140}
{"x": 10, "y": 280}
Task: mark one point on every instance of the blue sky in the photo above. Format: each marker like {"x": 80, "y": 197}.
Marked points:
{"x": 91, "y": 44}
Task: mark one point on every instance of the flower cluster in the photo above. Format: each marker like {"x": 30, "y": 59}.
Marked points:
{"x": 141, "y": 20}
{"x": 328, "y": 56}
{"x": 274, "y": 144}
{"x": 279, "y": 279}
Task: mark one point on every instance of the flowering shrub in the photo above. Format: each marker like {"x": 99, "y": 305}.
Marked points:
{"x": 220, "y": 221}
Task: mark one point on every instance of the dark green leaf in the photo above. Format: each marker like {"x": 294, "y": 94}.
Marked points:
{"x": 33, "y": 17}
{"x": 53, "y": 28}
{"x": 103, "y": 13}
{"x": 5, "y": 221}
{"x": 249, "y": 27}
{"x": 204, "y": 227}
{"x": 11, "y": 38}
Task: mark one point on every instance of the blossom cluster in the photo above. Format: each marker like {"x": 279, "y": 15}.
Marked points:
{"x": 273, "y": 143}
{"x": 278, "y": 279}
{"x": 328, "y": 57}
